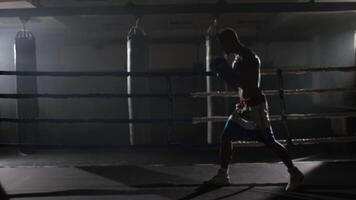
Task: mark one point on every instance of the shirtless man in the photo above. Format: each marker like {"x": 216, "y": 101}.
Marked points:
{"x": 251, "y": 118}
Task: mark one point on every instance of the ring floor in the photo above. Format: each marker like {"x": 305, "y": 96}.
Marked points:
{"x": 171, "y": 173}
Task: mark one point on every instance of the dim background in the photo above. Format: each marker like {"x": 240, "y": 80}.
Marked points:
{"x": 98, "y": 43}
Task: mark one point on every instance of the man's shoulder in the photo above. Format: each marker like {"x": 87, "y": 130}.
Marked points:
{"x": 251, "y": 55}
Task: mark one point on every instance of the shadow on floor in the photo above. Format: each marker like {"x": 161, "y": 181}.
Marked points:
{"x": 158, "y": 183}
{"x": 160, "y": 190}
{"x": 3, "y": 194}
{"x": 331, "y": 180}
{"x": 334, "y": 180}
{"x": 142, "y": 178}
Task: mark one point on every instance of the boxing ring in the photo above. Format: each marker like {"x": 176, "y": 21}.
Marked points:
{"x": 172, "y": 96}
{"x": 176, "y": 172}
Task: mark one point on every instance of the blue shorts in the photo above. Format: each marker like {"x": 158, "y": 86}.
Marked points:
{"x": 236, "y": 132}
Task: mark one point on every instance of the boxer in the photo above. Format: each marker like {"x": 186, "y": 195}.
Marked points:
{"x": 250, "y": 119}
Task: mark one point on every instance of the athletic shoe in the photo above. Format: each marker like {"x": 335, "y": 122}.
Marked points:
{"x": 220, "y": 179}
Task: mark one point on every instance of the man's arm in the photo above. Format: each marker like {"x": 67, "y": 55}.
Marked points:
{"x": 223, "y": 69}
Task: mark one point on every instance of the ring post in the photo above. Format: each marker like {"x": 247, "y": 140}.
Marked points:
{"x": 137, "y": 59}
{"x": 129, "y": 87}
{"x": 209, "y": 108}
{"x": 212, "y": 48}
{"x": 211, "y": 33}
{"x": 283, "y": 105}
{"x": 171, "y": 101}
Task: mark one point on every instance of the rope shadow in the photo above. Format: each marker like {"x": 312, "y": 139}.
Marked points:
{"x": 234, "y": 193}
{"x": 200, "y": 191}
{"x": 206, "y": 189}
{"x": 79, "y": 192}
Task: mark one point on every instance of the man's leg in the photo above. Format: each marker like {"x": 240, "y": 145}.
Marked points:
{"x": 278, "y": 149}
{"x": 222, "y": 177}
{"x": 225, "y": 151}
{"x": 296, "y": 176}
{"x": 260, "y": 116}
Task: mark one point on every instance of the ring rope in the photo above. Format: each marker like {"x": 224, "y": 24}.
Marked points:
{"x": 298, "y": 71}
{"x": 92, "y": 95}
{"x": 194, "y": 120}
{"x": 194, "y": 95}
{"x": 104, "y": 74}
{"x": 272, "y": 92}
{"x": 240, "y": 143}
{"x": 197, "y": 120}
{"x": 300, "y": 141}
{"x": 158, "y": 74}
{"x": 94, "y": 120}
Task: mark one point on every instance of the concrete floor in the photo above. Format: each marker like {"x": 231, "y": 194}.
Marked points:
{"x": 102, "y": 175}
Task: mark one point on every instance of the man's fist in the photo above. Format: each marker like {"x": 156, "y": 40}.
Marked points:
{"x": 224, "y": 70}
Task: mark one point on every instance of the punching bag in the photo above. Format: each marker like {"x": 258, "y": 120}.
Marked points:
{"x": 25, "y": 60}
{"x": 212, "y": 50}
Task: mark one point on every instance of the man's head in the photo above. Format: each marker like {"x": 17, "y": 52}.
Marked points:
{"x": 230, "y": 41}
